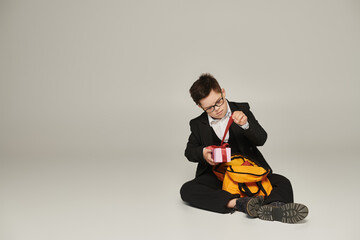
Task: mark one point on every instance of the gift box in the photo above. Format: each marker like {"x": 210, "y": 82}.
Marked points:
{"x": 221, "y": 154}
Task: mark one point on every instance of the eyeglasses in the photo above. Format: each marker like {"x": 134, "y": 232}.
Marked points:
{"x": 217, "y": 104}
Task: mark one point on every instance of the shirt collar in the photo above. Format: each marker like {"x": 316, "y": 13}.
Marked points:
{"x": 213, "y": 120}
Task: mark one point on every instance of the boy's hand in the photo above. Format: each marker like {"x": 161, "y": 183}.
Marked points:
{"x": 239, "y": 118}
{"x": 208, "y": 157}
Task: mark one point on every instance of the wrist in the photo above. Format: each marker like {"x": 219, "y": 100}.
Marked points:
{"x": 245, "y": 126}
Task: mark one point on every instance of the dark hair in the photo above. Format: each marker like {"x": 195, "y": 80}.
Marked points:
{"x": 202, "y": 87}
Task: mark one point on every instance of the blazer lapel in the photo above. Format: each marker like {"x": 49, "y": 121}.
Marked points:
{"x": 206, "y": 130}
{"x": 233, "y": 107}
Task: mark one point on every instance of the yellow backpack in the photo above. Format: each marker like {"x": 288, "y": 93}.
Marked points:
{"x": 243, "y": 176}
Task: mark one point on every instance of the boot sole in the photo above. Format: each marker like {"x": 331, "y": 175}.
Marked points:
{"x": 288, "y": 213}
{"x": 254, "y": 205}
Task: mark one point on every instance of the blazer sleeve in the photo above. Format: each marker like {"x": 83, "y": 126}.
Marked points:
{"x": 255, "y": 133}
{"x": 194, "y": 147}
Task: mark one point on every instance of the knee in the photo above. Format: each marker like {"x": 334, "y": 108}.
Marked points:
{"x": 278, "y": 179}
{"x": 287, "y": 184}
{"x": 285, "y": 179}
{"x": 185, "y": 190}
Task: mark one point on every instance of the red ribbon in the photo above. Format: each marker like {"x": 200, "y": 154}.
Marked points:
{"x": 223, "y": 145}
{"x": 223, "y": 150}
{"x": 227, "y": 129}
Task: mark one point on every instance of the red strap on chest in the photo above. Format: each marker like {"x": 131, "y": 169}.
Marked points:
{"x": 231, "y": 120}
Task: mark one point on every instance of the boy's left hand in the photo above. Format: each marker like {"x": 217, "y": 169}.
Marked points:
{"x": 239, "y": 118}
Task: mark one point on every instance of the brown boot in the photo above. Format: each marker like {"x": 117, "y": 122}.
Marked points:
{"x": 283, "y": 212}
{"x": 249, "y": 205}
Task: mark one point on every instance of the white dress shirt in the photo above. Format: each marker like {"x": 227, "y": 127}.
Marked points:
{"x": 219, "y": 125}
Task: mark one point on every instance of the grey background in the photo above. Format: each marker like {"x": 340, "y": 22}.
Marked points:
{"x": 94, "y": 109}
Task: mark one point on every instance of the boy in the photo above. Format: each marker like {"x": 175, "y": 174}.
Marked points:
{"x": 245, "y": 134}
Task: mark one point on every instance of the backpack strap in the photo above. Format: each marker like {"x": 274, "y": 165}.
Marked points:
{"x": 261, "y": 187}
{"x": 245, "y": 190}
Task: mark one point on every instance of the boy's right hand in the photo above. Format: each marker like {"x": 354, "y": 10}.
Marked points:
{"x": 208, "y": 156}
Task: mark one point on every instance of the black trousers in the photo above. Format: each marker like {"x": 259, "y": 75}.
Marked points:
{"x": 206, "y": 192}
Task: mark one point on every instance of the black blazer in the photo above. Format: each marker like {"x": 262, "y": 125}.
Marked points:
{"x": 245, "y": 140}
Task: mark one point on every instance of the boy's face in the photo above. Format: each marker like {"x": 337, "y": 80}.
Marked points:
{"x": 212, "y": 99}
